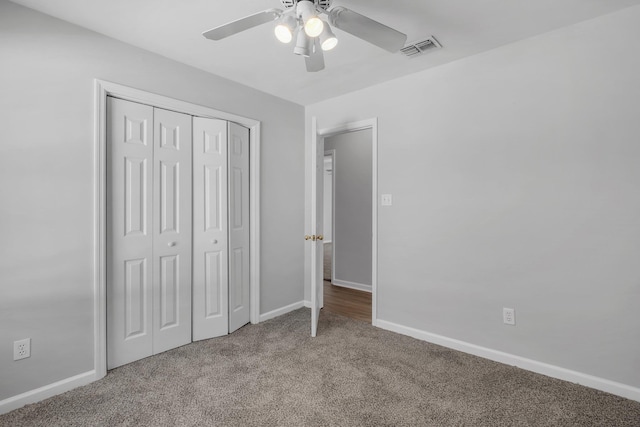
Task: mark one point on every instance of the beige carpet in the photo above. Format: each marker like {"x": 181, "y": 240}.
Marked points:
{"x": 352, "y": 374}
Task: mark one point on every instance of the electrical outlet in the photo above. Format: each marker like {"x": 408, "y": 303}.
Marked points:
{"x": 22, "y": 349}
{"x": 387, "y": 200}
{"x": 509, "y": 316}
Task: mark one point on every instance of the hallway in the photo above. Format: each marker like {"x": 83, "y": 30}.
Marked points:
{"x": 347, "y": 302}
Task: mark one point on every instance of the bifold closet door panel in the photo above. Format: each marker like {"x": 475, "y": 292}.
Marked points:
{"x": 129, "y": 232}
{"x": 210, "y": 241}
{"x": 171, "y": 230}
{"x": 239, "y": 313}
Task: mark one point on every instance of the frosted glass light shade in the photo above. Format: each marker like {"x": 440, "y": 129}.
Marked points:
{"x": 283, "y": 33}
{"x": 330, "y": 43}
{"x": 285, "y": 28}
{"x": 313, "y": 26}
{"x": 328, "y": 40}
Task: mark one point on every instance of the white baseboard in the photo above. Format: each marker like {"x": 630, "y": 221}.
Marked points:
{"x": 351, "y": 285}
{"x": 553, "y": 371}
{"x": 282, "y": 310}
{"x": 46, "y": 392}
{"x": 307, "y": 303}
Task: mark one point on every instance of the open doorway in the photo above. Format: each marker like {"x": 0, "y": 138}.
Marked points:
{"x": 348, "y": 223}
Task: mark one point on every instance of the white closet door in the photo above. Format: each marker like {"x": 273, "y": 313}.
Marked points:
{"x": 129, "y": 232}
{"x": 171, "y": 230}
{"x": 238, "y": 226}
{"x": 210, "y": 241}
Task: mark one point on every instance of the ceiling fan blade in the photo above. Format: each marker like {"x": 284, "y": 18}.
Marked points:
{"x": 367, "y": 29}
{"x": 243, "y": 24}
{"x": 315, "y": 60}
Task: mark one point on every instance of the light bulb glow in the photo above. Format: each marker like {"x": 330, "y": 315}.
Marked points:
{"x": 283, "y": 33}
{"x": 313, "y": 26}
{"x": 330, "y": 43}
{"x": 284, "y": 29}
{"x": 328, "y": 40}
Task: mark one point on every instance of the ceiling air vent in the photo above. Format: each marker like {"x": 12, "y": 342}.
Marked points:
{"x": 419, "y": 47}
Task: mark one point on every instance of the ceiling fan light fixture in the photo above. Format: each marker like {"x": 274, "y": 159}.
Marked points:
{"x": 300, "y": 20}
{"x": 285, "y": 28}
{"x": 328, "y": 40}
{"x": 303, "y": 44}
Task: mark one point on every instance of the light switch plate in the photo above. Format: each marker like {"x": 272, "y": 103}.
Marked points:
{"x": 387, "y": 200}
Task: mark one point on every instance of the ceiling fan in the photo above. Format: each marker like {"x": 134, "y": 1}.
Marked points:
{"x": 313, "y": 35}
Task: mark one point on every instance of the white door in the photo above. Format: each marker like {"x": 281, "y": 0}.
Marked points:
{"x": 210, "y": 244}
{"x": 238, "y": 226}
{"x": 317, "y": 249}
{"x": 129, "y": 232}
{"x": 148, "y": 231}
{"x": 171, "y": 230}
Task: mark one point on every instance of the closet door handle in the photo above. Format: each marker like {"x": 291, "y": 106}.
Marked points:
{"x": 171, "y": 244}
{"x": 214, "y": 241}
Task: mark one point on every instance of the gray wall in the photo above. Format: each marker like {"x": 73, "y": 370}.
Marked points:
{"x": 352, "y": 220}
{"x": 46, "y": 189}
{"x": 515, "y": 177}
{"x": 327, "y": 219}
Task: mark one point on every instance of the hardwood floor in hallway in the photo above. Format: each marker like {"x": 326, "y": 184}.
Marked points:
{"x": 347, "y": 302}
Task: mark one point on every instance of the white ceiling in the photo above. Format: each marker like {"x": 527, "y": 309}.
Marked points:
{"x": 173, "y": 28}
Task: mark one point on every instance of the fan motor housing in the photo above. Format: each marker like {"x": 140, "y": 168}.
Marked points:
{"x": 321, "y": 5}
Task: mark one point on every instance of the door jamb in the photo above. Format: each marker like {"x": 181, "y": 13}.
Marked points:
{"x": 352, "y": 127}
{"x": 332, "y": 154}
{"x": 102, "y": 89}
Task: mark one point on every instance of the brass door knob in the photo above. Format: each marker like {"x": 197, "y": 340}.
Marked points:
{"x": 307, "y": 237}
{"x": 320, "y": 237}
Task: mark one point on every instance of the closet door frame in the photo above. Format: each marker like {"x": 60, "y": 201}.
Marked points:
{"x": 103, "y": 89}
